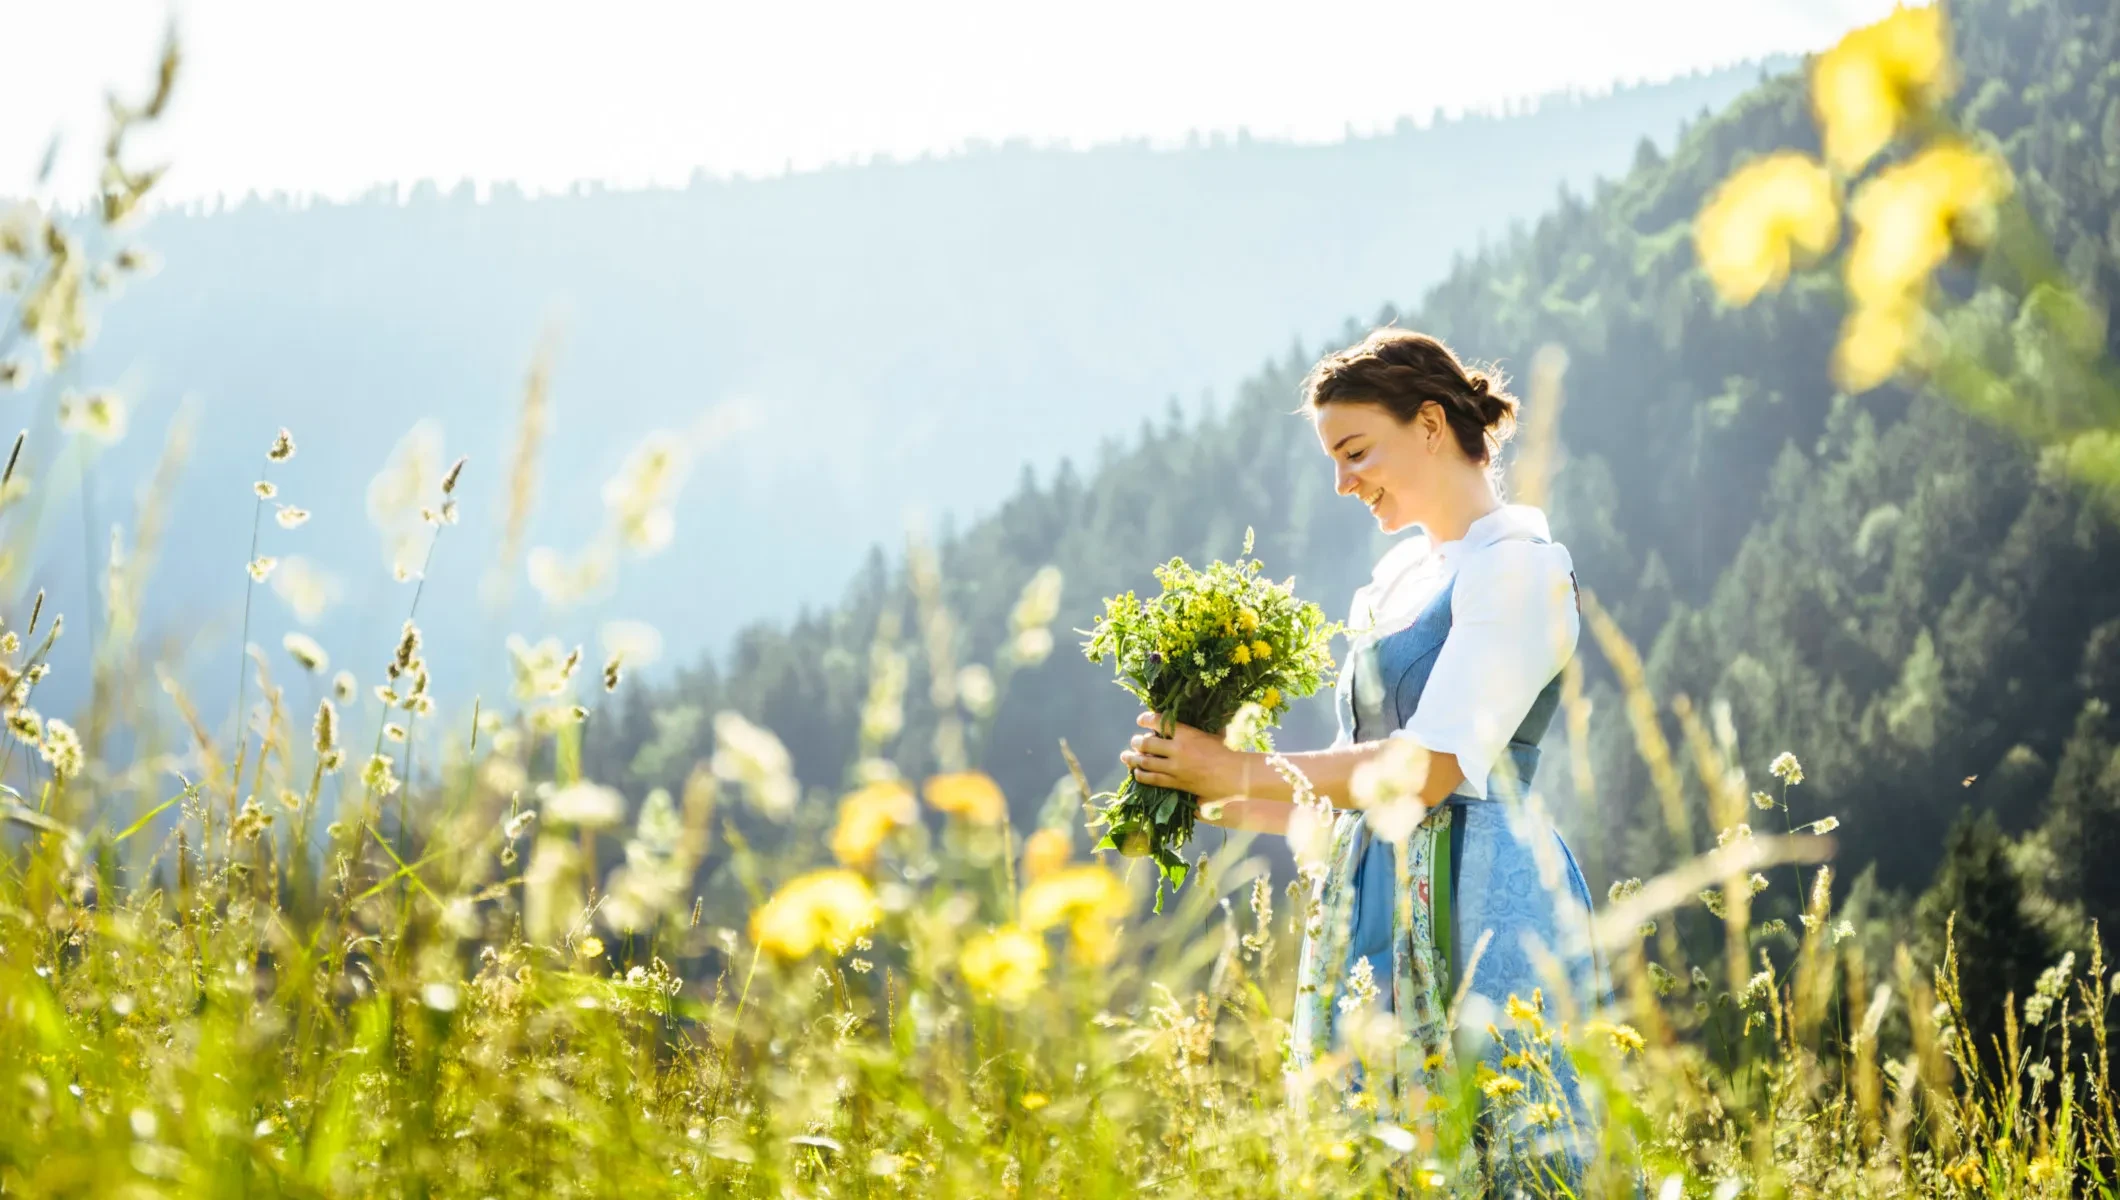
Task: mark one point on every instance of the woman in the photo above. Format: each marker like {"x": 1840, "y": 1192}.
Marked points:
{"x": 1458, "y": 642}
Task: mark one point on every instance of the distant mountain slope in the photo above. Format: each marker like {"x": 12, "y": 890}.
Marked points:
{"x": 1882, "y": 584}
{"x": 896, "y": 337}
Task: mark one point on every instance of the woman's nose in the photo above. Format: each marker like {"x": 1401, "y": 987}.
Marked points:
{"x": 1343, "y": 481}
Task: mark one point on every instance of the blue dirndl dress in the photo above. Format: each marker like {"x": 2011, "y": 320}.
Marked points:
{"x": 1485, "y": 885}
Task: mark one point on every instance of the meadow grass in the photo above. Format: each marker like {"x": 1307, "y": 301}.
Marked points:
{"x": 262, "y": 962}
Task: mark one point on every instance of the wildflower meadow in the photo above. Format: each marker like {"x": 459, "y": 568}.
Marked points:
{"x": 370, "y": 935}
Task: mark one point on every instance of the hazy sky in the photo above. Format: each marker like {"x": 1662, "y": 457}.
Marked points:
{"x": 307, "y": 96}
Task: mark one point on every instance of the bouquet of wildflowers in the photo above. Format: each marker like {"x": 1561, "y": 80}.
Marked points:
{"x": 1212, "y": 643}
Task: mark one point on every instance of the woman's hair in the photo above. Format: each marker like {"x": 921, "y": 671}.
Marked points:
{"x": 1404, "y": 371}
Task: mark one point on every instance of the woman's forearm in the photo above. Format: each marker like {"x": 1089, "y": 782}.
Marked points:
{"x": 1331, "y": 774}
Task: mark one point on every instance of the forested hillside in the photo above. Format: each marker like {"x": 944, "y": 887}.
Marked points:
{"x": 1881, "y": 584}
{"x": 853, "y": 346}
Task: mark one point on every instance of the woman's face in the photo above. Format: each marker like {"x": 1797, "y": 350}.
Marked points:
{"x": 1388, "y": 466}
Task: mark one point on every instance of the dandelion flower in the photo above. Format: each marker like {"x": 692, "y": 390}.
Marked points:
{"x": 1865, "y": 89}
{"x": 971, "y": 795}
{"x": 305, "y": 651}
{"x": 1499, "y": 1086}
{"x": 828, "y": 908}
{"x": 1241, "y": 655}
{"x": 1088, "y": 899}
{"x": 1625, "y": 1038}
{"x": 1774, "y": 213}
{"x": 1006, "y": 965}
{"x": 1044, "y": 853}
{"x": 868, "y": 816}
{"x": 1262, "y": 650}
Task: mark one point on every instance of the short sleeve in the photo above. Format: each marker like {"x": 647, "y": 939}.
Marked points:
{"x": 1513, "y": 626}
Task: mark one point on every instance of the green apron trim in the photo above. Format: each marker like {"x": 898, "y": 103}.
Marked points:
{"x": 1442, "y": 882}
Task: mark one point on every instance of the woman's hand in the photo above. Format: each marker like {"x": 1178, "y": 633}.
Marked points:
{"x": 1189, "y": 760}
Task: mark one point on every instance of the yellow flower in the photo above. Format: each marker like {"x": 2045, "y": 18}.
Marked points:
{"x": 1247, "y": 620}
{"x": 1776, "y": 211}
{"x": 1433, "y": 1062}
{"x": 1908, "y": 215}
{"x": 1498, "y": 1086}
{"x": 1006, "y": 965}
{"x": 1865, "y": 89}
{"x": 592, "y": 947}
{"x": 1543, "y": 1113}
{"x": 1240, "y": 655}
{"x": 1874, "y": 340}
{"x": 827, "y": 908}
{"x": 1088, "y": 899}
{"x": 968, "y": 794}
{"x": 1262, "y": 650}
{"x": 1270, "y": 699}
{"x": 1033, "y": 1101}
{"x": 1071, "y": 894}
{"x": 868, "y": 816}
{"x": 1519, "y": 1010}
{"x": 1045, "y": 852}
{"x": 1624, "y": 1037}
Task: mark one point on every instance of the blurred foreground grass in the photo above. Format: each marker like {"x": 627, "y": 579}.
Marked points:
{"x": 299, "y": 961}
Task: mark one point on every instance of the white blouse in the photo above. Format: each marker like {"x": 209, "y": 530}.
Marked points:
{"x": 1513, "y": 625}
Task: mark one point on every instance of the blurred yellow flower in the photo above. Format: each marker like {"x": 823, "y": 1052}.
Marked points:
{"x": 828, "y": 908}
{"x": 1271, "y": 699}
{"x": 868, "y": 816}
{"x": 1774, "y": 212}
{"x": 1240, "y": 655}
{"x": 1088, "y": 899}
{"x": 1865, "y": 89}
{"x": 1006, "y": 965}
{"x": 1908, "y": 215}
{"x": 1262, "y": 650}
{"x": 1045, "y": 852}
{"x": 1906, "y": 220}
{"x": 971, "y": 795}
{"x": 1874, "y": 340}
